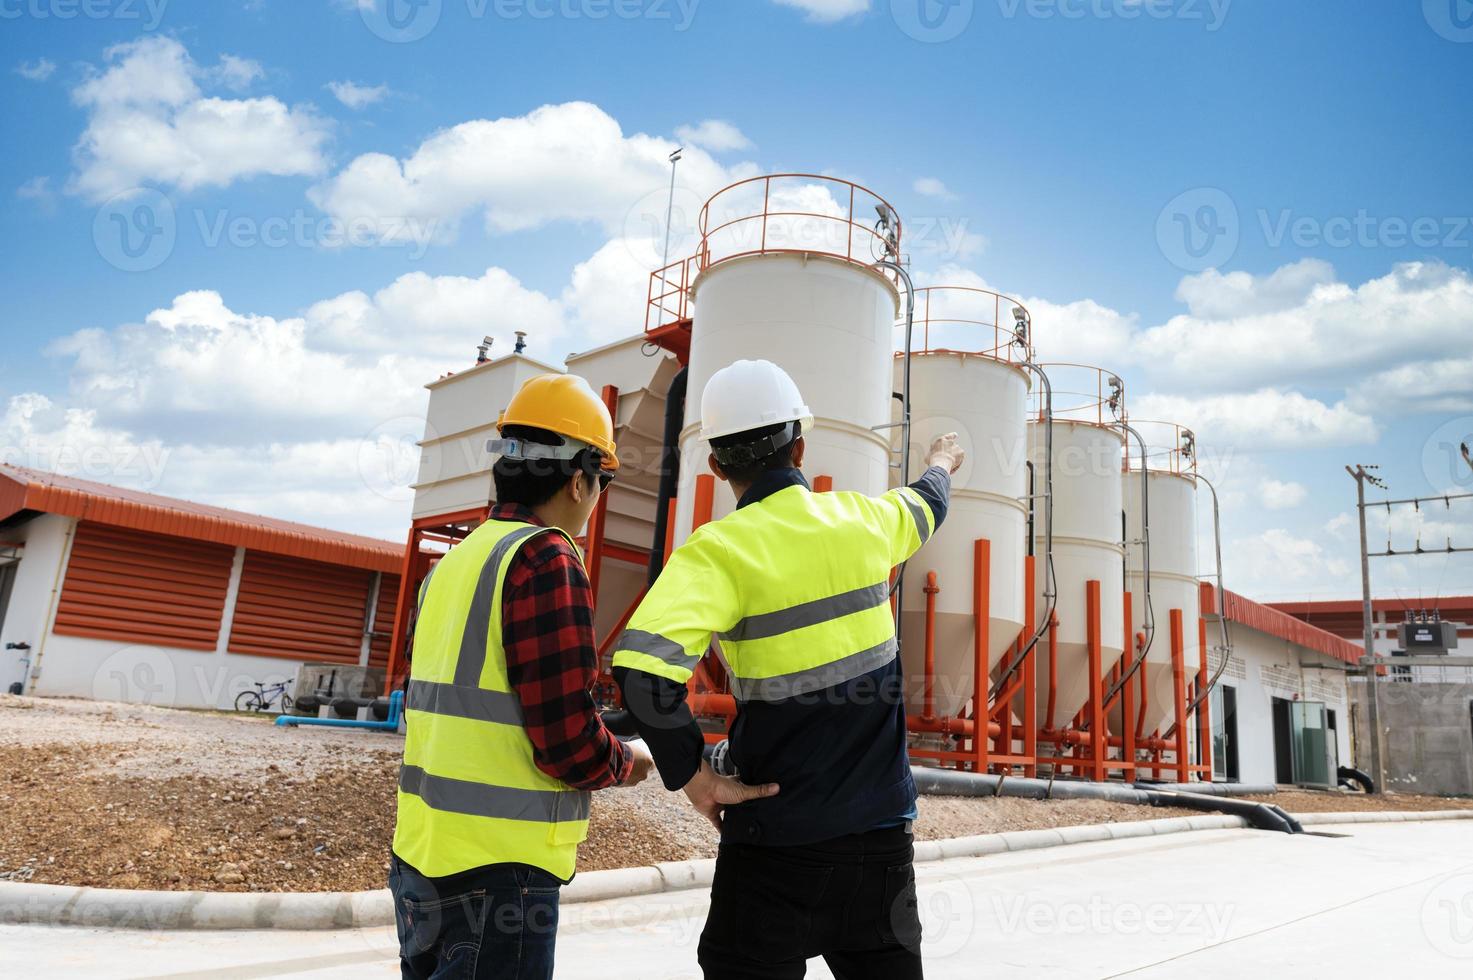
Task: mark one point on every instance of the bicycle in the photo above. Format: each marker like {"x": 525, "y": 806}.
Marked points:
{"x": 262, "y": 698}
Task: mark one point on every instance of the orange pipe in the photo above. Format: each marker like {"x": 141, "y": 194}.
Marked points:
{"x": 1179, "y": 690}
{"x": 1127, "y": 698}
{"x": 1053, "y": 668}
{"x": 928, "y": 682}
{"x": 1030, "y": 684}
{"x": 981, "y": 616}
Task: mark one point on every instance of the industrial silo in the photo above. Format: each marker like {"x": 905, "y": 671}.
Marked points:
{"x": 966, "y": 377}
{"x": 788, "y": 275}
{"x": 1087, "y": 450}
{"x": 1171, "y": 493}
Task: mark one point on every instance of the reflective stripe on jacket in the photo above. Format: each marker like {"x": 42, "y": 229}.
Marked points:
{"x": 470, "y": 792}
{"x": 796, "y": 588}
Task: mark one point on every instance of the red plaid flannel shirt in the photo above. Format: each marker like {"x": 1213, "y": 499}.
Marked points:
{"x": 552, "y": 659}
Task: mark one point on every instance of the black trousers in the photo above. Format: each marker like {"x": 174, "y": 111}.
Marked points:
{"x": 851, "y": 900}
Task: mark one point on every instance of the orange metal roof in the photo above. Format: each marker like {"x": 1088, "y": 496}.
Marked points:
{"x": 52, "y": 493}
{"x": 1275, "y": 622}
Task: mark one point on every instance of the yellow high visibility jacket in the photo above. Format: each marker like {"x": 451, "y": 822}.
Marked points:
{"x": 796, "y": 587}
{"x": 470, "y": 792}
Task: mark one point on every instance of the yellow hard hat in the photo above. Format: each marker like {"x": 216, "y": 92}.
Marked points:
{"x": 565, "y": 404}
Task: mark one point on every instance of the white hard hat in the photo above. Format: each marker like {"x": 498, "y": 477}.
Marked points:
{"x": 750, "y": 395}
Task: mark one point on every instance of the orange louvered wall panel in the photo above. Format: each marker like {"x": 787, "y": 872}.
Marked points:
{"x": 305, "y": 610}
{"x": 130, "y": 585}
{"x": 383, "y": 621}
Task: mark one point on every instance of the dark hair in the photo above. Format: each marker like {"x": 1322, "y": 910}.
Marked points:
{"x": 533, "y": 482}
{"x": 779, "y": 459}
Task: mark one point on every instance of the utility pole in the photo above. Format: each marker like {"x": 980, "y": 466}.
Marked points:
{"x": 1373, "y": 708}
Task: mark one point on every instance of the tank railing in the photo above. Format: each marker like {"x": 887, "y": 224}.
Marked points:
{"x": 668, "y": 299}
{"x": 1084, "y": 393}
{"x": 781, "y": 224}
{"x": 1167, "y": 447}
{"x": 954, "y": 311}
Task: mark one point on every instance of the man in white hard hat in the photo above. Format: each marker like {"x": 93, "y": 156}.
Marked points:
{"x": 816, "y": 847}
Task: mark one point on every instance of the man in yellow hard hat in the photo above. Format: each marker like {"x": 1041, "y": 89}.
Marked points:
{"x": 816, "y": 848}
{"x": 503, "y": 741}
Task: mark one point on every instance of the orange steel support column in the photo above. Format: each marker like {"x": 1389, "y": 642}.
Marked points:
{"x": 1204, "y": 711}
{"x": 599, "y": 518}
{"x": 705, "y": 499}
{"x": 928, "y": 680}
{"x": 1030, "y": 681}
{"x": 823, "y": 484}
{"x": 401, "y": 609}
{"x": 1127, "y": 700}
{"x": 1098, "y": 741}
{"x": 1179, "y": 690}
{"x": 982, "y": 681}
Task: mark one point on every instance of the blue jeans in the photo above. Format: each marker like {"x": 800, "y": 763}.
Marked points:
{"x": 492, "y": 923}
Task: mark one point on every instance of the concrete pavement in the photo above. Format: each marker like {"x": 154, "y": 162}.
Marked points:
{"x": 1382, "y": 900}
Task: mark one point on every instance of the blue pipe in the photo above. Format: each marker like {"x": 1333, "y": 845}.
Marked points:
{"x": 390, "y": 724}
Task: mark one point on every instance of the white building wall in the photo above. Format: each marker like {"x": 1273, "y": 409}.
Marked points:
{"x": 114, "y": 670}
{"x": 1265, "y": 667}
{"x": 45, "y": 539}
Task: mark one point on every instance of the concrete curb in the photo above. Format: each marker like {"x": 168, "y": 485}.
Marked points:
{"x": 112, "y": 908}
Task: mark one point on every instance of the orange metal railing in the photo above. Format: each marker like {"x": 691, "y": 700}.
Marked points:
{"x": 1081, "y": 393}
{"x": 1170, "y": 448}
{"x": 968, "y": 320}
{"x": 807, "y": 214}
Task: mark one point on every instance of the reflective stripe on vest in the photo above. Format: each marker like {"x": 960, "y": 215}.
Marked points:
{"x": 470, "y": 792}
{"x": 795, "y": 587}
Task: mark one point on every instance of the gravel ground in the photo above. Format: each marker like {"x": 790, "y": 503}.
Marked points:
{"x": 131, "y": 796}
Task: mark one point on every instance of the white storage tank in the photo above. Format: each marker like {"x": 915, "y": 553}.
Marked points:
{"x": 966, "y": 378}
{"x": 1088, "y": 447}
{"x": 823, "y": 314}
{"x": 1172, "y": 492}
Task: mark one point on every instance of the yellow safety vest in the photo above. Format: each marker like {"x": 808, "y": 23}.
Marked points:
{"x": 470, "y": 792}
{"x": 795, "y": 586}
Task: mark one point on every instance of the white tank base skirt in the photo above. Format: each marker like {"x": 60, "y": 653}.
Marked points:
{"x": 1087, "y": 547}
{"x": 984, "y": 401}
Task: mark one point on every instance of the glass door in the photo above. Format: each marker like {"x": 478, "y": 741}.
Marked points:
{"x": 1309, "y": 731}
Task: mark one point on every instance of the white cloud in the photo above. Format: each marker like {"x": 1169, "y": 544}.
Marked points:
{"x": 36, "y": 71}
{"x": 1444, "y": 386}
{"x": 1278, "y": 564}
{"x": 36, "y": 189}
{"x": 149, "y": 122}
{"x": 1297, "y": 327}
{"x": 827, "y": 11}
{"x": 237, "y": 73}
{"x": 932, "y": 187}
{"x": 1269, "y": 418}
{"x": 568, "y": 162}
{"x": 1282, "y": 495}
{"x": 356, "y": 96}
{"x": 716, "y": 135}
{"x": 1213, "y": 295}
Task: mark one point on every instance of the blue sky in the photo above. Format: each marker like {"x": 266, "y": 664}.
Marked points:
{"x": 1059, "y": 150}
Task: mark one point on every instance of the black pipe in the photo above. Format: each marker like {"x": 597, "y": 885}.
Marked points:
{"x": 950, "y": 782}
{"x": 1263, "y": 816}
{"x": 669, "y": 469}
